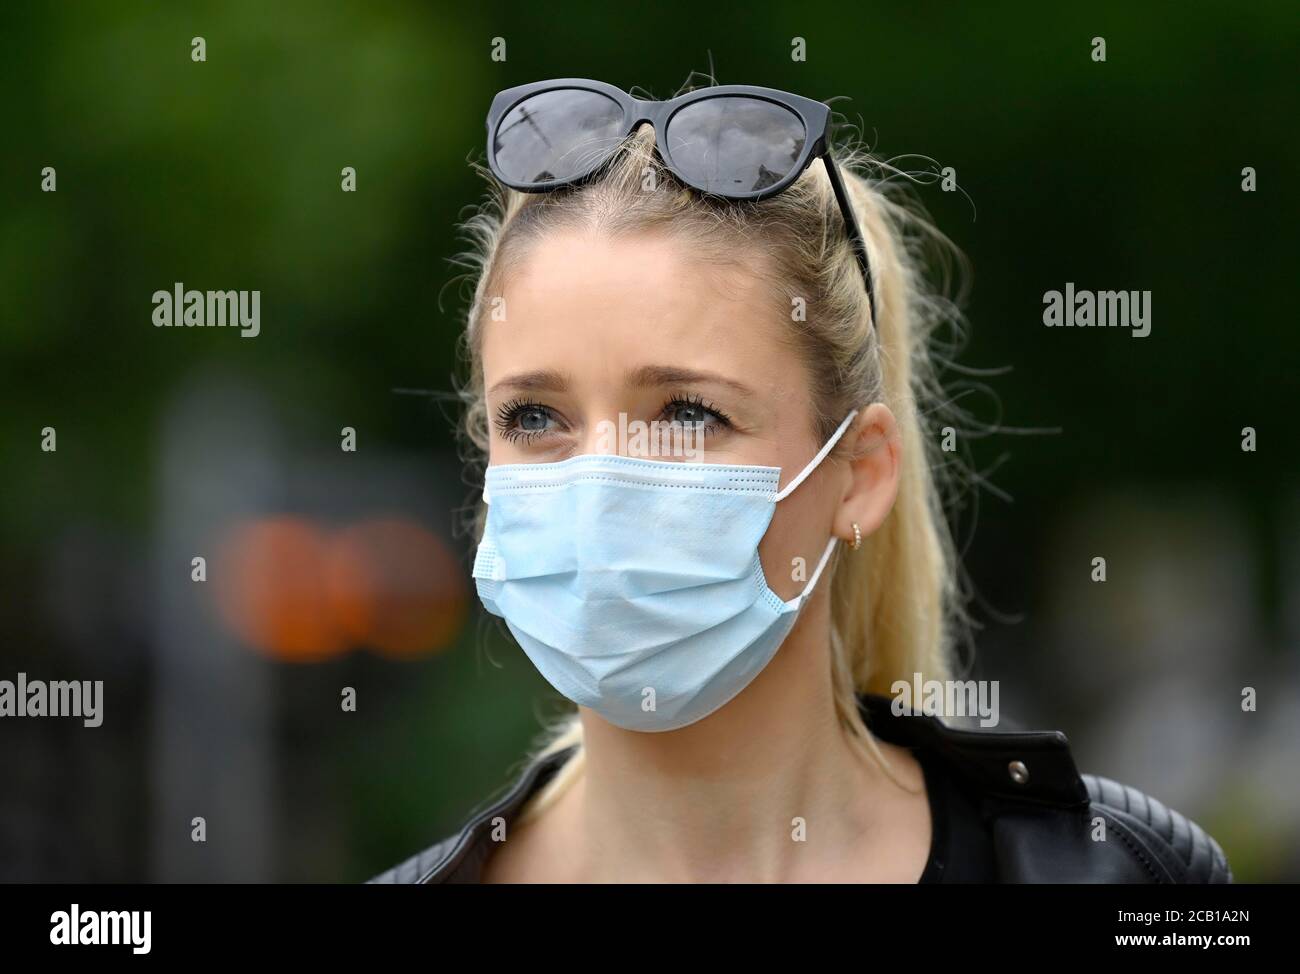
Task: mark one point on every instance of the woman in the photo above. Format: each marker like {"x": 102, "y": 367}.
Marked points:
{"x": 698, "y": 351}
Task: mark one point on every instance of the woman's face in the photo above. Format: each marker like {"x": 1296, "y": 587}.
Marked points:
{"x": 594, "y": 329}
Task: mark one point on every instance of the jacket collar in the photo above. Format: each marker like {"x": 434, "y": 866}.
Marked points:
{"x": 1018, "y": 766}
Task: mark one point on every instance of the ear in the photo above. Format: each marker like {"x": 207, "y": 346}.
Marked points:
{"x": 874, "y": 468}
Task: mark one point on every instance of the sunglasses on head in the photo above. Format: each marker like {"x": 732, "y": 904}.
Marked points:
{"x": 735, "y": 142}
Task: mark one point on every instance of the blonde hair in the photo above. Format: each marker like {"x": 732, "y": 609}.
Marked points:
{"x": 897, "y": 604}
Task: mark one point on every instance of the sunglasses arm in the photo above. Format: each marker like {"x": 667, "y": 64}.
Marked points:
{"x": 856, "y": 240}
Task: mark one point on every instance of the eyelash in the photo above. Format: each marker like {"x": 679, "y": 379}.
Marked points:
{"x": 724, "y": 420}
{"x": 509, "y": 413}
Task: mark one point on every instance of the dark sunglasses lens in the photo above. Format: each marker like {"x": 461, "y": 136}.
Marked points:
{"x": 556, "y": 135}
{"x": 733, "y": 145}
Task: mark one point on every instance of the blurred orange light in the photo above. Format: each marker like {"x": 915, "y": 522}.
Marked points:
{"x": 302, "y": 594}
{"x": 395, "y": 587}
{"x": 270, "y": 590}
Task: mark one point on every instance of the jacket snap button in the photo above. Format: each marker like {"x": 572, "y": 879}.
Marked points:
{"x": 1019, "y": 773}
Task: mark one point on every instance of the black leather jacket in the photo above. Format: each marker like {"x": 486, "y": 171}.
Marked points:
{"x": 1040, "y": 812}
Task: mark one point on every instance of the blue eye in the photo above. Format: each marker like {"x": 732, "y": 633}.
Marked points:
{"x": 519, "y": 419}
{"x": 692, "y": 411}
{"x": 532, "y": 420}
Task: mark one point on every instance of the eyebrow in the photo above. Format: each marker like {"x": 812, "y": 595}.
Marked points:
{"x": 545, "y": 380}
{"x": 648, "y": 376}
{"x": 668, "y": 375}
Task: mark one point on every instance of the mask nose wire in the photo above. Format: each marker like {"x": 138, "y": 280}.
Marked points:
{"x": 821, "y": 455}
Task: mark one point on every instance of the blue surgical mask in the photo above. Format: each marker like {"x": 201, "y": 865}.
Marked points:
{"x": 635, "y": 586}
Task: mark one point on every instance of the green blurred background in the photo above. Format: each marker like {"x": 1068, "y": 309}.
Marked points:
{"x": 174, "y": 443}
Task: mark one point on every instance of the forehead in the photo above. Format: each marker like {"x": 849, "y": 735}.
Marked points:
{"x": 612, "y": 303}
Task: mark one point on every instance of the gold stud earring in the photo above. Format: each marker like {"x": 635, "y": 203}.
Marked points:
{"x": 857, "y": 536}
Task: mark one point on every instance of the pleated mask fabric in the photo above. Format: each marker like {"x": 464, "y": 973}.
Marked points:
{"x": 635, "y": 585}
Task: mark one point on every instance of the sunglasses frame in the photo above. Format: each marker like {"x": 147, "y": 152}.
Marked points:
{"x": 815, "y": 115}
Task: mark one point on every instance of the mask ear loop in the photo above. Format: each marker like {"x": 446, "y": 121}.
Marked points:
{"x": 817, "y": 573}
{"x": 803, "y": 475}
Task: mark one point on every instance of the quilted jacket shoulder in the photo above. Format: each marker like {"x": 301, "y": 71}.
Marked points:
{"x": 1175, "y": 848}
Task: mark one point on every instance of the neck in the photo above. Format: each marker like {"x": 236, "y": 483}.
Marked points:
{"x": 722, "y": 800}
